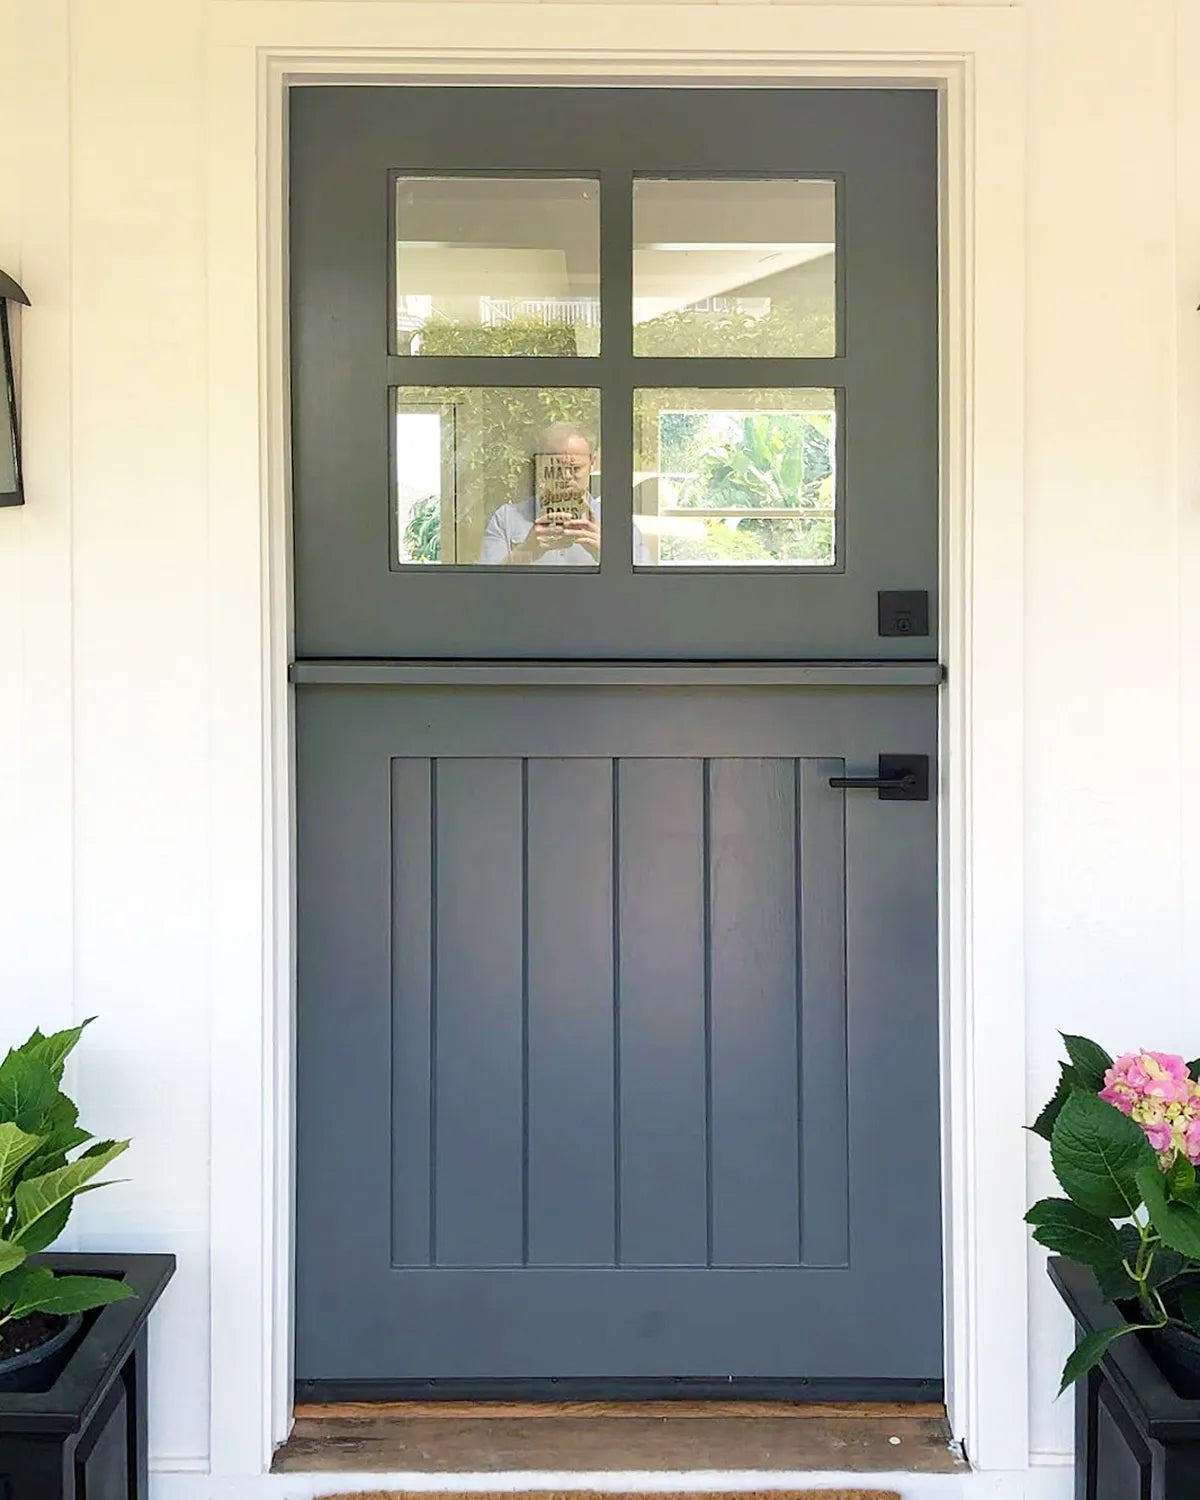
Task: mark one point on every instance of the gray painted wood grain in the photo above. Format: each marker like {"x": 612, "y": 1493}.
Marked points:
{"x": 571, "y": 1122}
{"x": 626, "y": 1106}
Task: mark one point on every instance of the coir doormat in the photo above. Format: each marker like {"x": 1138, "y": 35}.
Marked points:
{"x": 620, "y": 1495}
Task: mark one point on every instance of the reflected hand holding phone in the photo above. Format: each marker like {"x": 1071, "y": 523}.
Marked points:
{"x": 565, "y": 516}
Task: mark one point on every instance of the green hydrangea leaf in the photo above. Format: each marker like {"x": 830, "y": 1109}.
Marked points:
{"x": 1091, "y": 1351}
{"x": 39, "y": 1196}
{"x": 63, "y": 1135}
{"x": 1068, "y": 1082}
{"x": 27, "y": 1092}
{"x": 1096, "y": 1153}
{"x": 1163, "y": 1267}
{"x": 1115, "y": 1283}
{"x": 1130, "y": 1241}
{"x": 54, "y": 1050}
{"x": 101, "y": 1148}
{"x": 41, "y": 1236}
{"x": 72, "y": 1294}
{"x": 11, "y": 1256}
{"x": 53, "y": 1153}
{"x": 64, "y": 1115}
{"x": 1067, "y": 1229}
{"x": 1177, "y": 1224}
{"x": 17, "y": 1147}
{"x": 1189, "y": 1306}
{"x": 1166, "y": 1265}
{"x": 1181, "y": 1180}
{"x": 18, "y": 1290}
{"x": 1089, "y": 1060}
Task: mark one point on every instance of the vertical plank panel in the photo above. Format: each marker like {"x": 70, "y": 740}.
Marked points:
{"x": 479, "y": 1114}
{"x": 661, "y": 997}
{"x": 824, "y": 1114}
{"x": 752, "y": 904}
{"x": 571, "y": 1188}
{"x": 412, "y": 1007}
{"x": 343, "y": 1013}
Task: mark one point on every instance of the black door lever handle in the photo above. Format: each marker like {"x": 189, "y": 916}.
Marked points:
{"x": 875, "y": 783}
{"x": 901, "y": 778}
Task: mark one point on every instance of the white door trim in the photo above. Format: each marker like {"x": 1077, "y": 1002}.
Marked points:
{"x": 975, "y": 56}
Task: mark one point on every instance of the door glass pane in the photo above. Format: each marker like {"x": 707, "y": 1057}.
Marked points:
{"x": 497, "y": 265}
{"x": 497, "y": 476}
{"x": 735, "y": 267}
{"x": 8, "y": 444}
{"x": 736, "y": 478}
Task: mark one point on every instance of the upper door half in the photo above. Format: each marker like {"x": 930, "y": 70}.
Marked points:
{"x": 614, "y": 373}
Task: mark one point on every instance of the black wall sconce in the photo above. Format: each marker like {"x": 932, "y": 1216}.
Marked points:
{"x": 11, "y": 492}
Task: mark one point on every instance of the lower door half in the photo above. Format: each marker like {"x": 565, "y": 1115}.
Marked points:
{"x": 618, "y": 1043}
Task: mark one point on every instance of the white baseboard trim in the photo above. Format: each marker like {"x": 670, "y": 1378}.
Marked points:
{"x": 1052, "y": 1458}
{"x": 186, "y": 1463}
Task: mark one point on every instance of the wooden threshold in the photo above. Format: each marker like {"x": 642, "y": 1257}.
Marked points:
{"x": 593, "y": 1437}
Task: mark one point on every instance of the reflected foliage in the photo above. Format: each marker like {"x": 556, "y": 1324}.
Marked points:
{"x": 423, "y": 534}
{"x": 761, "y": 460}
{"x": 495, "y": 429}
{"x": 795, "y": 327}
{"x": 782, "y": 460}
{"x": 525, "y": 335}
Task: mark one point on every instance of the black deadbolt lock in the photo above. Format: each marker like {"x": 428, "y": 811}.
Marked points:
{"x": 903, "y": 612}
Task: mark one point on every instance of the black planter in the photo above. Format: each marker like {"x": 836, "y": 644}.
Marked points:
{"x": 33, "y": 1370}
{"x": 1135, "y": 1435}
{"x": 78, "y": 1429}
{"x": 1177, "y": 1354}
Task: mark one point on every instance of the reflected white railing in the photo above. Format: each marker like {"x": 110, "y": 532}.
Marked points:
{"x": 577, "y": 311}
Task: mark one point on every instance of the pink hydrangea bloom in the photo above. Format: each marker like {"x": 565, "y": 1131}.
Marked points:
{"x": 1147, "y": 1075}
{"x": 1156, "y": 1090}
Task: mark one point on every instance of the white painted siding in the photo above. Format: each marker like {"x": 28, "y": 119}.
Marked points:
{"x": 1106, "y": 924}
{"x": 106, "y": 661}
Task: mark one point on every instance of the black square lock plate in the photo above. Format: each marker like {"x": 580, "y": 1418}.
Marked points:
{"x": 912, "y": 771}
{"x": 903, "y": 612}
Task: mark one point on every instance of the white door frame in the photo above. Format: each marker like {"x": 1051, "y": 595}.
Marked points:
{"x": 974, "y": 55}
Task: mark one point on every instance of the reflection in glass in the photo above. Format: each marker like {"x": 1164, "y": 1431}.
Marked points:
{"x": 735, "y": 478}
{"x": 734, "y": 267}
{"x": 497, "y": 476}
{"x": 10, "y": 471}
{"x": 8, "y": 445}
{"x": 497, "y": 265}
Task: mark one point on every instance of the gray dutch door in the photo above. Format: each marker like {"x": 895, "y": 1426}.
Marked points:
{"x": 615, "y": 528}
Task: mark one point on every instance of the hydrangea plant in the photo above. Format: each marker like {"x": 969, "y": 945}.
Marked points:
{"x": 1125, "y": 1144}
{"x": 42, "y": 1172}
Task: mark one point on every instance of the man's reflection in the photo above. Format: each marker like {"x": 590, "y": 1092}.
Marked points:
{"x": 559, "y": 525}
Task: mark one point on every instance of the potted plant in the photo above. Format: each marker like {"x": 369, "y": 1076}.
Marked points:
{"x": 1124, "y": 1141}
{"x": 42, "y": 1171}
{"x": 72, "y": 1345}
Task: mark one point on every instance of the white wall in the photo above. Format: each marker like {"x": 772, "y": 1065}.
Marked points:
{"x": 106, "y": 887}
{"x": 103, "y": 582}
{"x": 1110, "y": 525}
